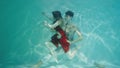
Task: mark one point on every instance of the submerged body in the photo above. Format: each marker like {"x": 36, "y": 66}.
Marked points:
{"x": 63, "y": 37}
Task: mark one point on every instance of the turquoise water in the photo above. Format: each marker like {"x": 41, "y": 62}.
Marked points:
{"x": 22, "y": 33}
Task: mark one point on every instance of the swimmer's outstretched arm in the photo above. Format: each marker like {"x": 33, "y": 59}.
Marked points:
{"x": 52, "y": 26}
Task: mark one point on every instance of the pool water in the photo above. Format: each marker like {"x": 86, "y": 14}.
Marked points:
{"x": 23, "y": 35}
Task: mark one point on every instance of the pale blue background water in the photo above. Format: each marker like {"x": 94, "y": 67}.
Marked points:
{"x": 22, "y": 34}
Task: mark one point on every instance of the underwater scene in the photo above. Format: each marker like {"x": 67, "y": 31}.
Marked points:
{"x": 23, "y": 34}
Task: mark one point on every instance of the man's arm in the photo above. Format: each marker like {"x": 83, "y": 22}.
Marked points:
{"x": 79, "y": 36}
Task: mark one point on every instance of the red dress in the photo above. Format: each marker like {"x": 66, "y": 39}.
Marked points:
{"x": 63, "y": 40}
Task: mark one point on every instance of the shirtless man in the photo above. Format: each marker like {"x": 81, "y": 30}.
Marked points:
{"x": 71, "y": 30}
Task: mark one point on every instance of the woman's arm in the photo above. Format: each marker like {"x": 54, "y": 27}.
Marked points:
{"x": 52, "y": 26}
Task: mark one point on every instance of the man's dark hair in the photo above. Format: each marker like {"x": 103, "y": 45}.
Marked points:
{"x": 69, "y": 13}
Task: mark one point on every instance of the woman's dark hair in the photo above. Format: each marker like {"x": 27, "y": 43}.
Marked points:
{"x": 69, "y": 13}
{"x": 56, "y": 14}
